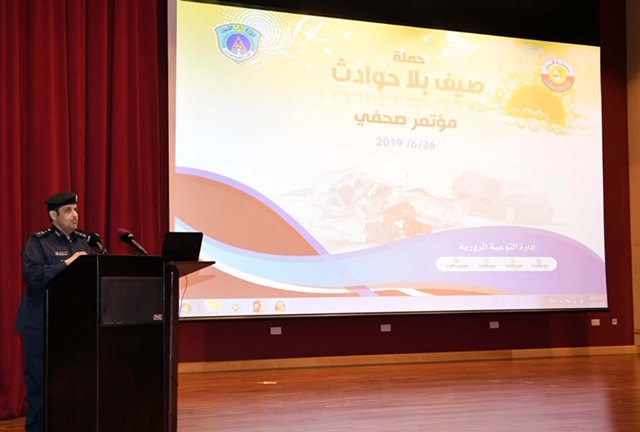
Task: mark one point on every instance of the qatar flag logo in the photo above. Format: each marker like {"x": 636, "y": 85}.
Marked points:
{"x": 557, "y": 75}
{"x": 238, "y": 42}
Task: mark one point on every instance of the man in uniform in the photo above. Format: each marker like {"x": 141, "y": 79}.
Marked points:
{"x": 45, "y": 254}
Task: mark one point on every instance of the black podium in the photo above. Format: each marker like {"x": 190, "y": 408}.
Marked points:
{"x": 111, "y": 344}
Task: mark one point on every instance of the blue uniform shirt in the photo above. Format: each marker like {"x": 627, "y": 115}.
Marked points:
{"x": 42, "y": 259}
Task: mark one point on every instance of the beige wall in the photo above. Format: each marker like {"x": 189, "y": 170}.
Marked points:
{"x": 633, "y": 106}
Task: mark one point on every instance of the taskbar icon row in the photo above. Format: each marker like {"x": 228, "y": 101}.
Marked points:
{"x": 230, "y": 307}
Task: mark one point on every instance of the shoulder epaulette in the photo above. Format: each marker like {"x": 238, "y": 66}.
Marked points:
{"x": 42, "y": 233}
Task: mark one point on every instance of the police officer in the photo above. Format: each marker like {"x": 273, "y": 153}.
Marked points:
{"x": 45, "y": 254}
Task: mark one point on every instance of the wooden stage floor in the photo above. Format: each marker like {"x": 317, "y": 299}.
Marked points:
{"x": 592, "y": 393}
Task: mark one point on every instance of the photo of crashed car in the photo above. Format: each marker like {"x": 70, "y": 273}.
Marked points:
{"x": 509, "y": 201}
{"x": 355, "y": 207}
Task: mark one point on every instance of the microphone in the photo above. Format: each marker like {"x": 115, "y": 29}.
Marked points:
{"x": 94, "y": 240}
{"x": 126, "y": 237}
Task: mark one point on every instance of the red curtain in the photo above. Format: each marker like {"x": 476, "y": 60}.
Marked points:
{"x": 83, "y": 107}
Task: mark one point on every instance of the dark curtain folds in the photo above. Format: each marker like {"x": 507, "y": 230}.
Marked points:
{"x": 82, "y": 108}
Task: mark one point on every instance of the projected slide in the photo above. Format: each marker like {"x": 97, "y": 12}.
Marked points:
{"x": 346, "y": 167}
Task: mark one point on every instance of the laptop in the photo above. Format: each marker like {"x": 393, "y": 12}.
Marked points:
{"x": 182, "y": 246}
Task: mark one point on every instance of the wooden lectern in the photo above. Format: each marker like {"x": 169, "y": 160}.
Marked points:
{"x": 111, "y": 361}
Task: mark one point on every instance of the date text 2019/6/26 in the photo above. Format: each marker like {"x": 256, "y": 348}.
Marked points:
{"x": 407, "y": 144}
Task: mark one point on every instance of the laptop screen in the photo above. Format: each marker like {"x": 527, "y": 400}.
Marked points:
{"x": 182, "y": 246}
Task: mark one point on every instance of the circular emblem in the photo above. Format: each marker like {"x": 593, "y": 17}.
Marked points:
{"x": 238, "y": 42}
{"x": 557, "y": 75}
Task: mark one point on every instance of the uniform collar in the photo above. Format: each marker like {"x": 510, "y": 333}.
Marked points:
{"x": 60, "y": 234}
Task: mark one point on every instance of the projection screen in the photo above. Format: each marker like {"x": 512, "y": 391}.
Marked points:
{"x": 349, "y": 167}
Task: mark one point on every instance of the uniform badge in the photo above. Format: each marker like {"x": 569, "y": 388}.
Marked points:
{"x": 43, "y": 233}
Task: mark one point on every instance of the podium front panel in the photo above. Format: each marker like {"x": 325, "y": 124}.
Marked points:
{"x": 131, "y": 300}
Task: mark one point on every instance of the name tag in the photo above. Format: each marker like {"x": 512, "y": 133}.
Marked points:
{"x": 62, "y": 253}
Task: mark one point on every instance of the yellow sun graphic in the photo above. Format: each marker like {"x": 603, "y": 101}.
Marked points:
{"x": 536, "y": 101}
{"x": 531, "y": 104}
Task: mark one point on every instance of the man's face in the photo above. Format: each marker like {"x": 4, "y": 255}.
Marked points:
{"x": 65, "y": 218}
